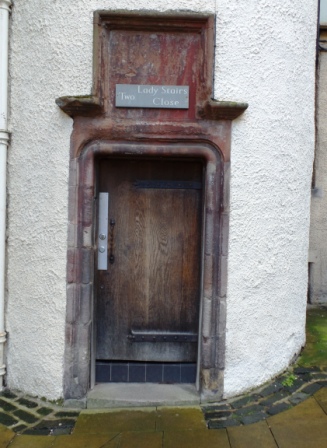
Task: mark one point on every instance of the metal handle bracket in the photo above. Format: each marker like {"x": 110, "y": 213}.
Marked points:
{"x": 102, "y": 240}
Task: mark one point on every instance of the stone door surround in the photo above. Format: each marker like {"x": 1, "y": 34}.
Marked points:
{"x": 101, "y": 130}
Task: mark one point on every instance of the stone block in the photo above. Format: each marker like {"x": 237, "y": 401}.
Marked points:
{"x": 7, "y": 419}
{"x": 73, "y": 265}
{"x": 226, "y": 196}
{"x": 254, "y": 418}
{"x": 44, "y": 411}
{"x": 73, "y": 204}
{"x": 6, "y": 406}
{"x": 219, "y": 424}
{"x": 271, "y": 389}
{"x": 224, "y": 235}
{"x": 82, "y": 346}
{"x": 220, "y": 310}
{"x": 280, "y": 407}
{"x": 73, "y": 172}
{"x": 87, "y": 265}
{"x": 74, "y": 403}
{"x": 26, "y": 416}
{"x": 27, "y": 403}
{"x": 85, "y": 303}
{"x": 86, "y": 169}
{"x": 72, "y": 302}
{"x": 87, "y": 236}
{"x": 206, "y": 354}
{"x": 275, "y": 398}
{"x": 70, "y": 335}
{"x": 86, "y": 199}
{"x": 311, "y": 388}
{"x": 72, "y": 235}
{"x": 249, "y": 410}
{"x": 206, "y": 317}
{"x": 222, "y": 279}
{"x": 297, "y": 398}
{"x": 219, "y": 360}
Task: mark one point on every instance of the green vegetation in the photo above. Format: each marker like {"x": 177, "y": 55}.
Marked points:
{"x": 315, "y": 351}
{"x": 288, "y": 381}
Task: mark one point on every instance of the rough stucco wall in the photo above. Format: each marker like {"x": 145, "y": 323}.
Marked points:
{"x": 318, "y": 228}
{"x": 265, "y": 55}
{"x": 51, "y": 56}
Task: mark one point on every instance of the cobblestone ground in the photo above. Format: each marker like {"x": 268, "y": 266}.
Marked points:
{"x": 302, "y": 380}
{"x": 285, "y": 392}
{"x": 29, "y": 415}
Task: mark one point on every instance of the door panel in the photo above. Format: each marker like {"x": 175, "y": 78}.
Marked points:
{"x": 154, "y": 282}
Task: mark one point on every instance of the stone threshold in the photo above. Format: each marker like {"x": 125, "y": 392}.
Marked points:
{"x": 123, "y": 395}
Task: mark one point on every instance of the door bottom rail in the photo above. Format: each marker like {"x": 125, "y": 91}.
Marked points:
{"x": 145, "y": 372}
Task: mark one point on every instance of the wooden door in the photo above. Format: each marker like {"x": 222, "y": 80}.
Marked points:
{"x": 147, "y": 301}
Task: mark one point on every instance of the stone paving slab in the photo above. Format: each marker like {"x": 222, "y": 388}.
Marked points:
{"x": 141, "y": 440}
{"x": 254, "y": 436}
{"x": 85, "y": 441}
{"x": 196, "y": 439}
{"x": 6, "y": 435}
{"x": 304, "y": 426}
{"x": 170, "y": 419}
{"x": 22, "y": 441}
{"x": 321, "y": 397}
{"x": 104, "y": 422}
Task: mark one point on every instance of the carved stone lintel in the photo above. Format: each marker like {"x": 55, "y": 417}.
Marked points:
{"x": 86, "y": 106}
{"x": 221, "y": 110}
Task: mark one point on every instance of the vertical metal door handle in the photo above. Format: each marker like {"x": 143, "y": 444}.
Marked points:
{"x": 102, "y": 240}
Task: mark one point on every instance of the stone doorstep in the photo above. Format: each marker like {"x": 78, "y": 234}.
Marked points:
{"x": 129, "y": 395}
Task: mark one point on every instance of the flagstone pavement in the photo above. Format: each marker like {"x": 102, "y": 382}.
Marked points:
{"x": 302, "y": 426}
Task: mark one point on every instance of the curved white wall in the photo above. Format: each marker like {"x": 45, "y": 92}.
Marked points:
{"x": 265, "y": 56}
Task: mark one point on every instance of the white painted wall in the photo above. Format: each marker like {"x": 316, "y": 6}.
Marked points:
{"x": 265, "y": 56}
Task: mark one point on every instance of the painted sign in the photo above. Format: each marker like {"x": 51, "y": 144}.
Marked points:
{"x": 153, "y": 96}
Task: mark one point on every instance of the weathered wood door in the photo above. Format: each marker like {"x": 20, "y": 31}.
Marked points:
{"x": 147, "y": 301}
